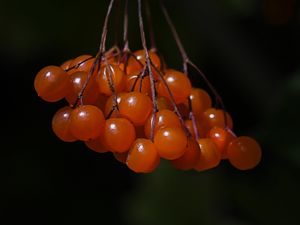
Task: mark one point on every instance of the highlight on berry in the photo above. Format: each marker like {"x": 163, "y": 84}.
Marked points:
{"x": 132, "y": 104}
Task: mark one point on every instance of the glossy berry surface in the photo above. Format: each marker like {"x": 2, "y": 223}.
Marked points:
{"x": 142, "y": 156}
{"x": 210, "y": 157}
{"x": 50, "y": 83}
{"x": 81, "y": 63}
{"x": 97, "y": 145}
{"x": 213, "y": 117}
{"x": 200, "y": 100}
{"x": 87, "y": 122}
{"x": 119, "y": 134}
{"x": 61, "y": 124}
{"x": 170, "y": 142}
{"x": 244, "y": 153}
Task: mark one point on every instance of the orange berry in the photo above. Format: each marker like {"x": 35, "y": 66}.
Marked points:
{"x": 200, "y": 100}
{"x": 213, "y": 117}
{"x": 136, "y": 107}
{"x": 119, "y": 134}
{"x": 66, "y": 65}
{"x": 110, "y": 103}
{"x": 170, "y": 142}
{"x": 178, "y": 83}
{"x": 142, "y": 156}
{"x": 61, "y": 123}
{"x": 221, "y": 138}
{"x": 163, "y": 118}
{"x": 190, "y": 158}
{"x": 82, "y": 63}
{"x": 87, "y": 122}
{"x": 50, "y": 83}
{"x": 163, "y": 103}
{"x": 133, "y": 83}
{"x": 117, "y": 77}
{"x": 210, "y": 157}
{"x": 97, "y": 145}
{"x": 121, "y": 157}
{"x": 244, "y": 153}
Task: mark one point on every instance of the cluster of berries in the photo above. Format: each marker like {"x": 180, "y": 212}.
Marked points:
{"x": 117, "y": 104}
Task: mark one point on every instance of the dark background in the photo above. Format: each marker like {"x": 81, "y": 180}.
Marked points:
{"x": 249, "y": 50}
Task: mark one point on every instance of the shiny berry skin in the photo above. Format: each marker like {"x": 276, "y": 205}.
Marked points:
{"x": 136, "y": 107}
{"x": 97, "y": 145}
{"x": 163, "y": 118}
{"x": 142, "y": 156}
{"x": 221, "y": 137}
{"x": 135, "y": 67}
{"x": 190, "y": 158}
{"x": 119, "y": 134}
{"x": 133, "y": 83}
{"x": 213, "y": 117}
{"x": 76, "y": 82}
{"x": 110, "y": 103}
{"x": 66, "y": 65}
{"x": 210, "y": 157}
{"x": 163, "y": 103}
{"x": 244, "y": 153}
{"x": 61, "y": 124}
{"x": 178, "y": 83}
{"x": 87, "y": 122}
{"x": 200, "y": 100}
{"x": 50, "y": 83}
{"x": 170, "y": 142}
{"x": 117, "y": 76}
{"x": 81, "y": 63}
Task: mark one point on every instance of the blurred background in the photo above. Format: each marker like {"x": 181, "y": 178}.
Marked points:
{"x": 249, "y": 49}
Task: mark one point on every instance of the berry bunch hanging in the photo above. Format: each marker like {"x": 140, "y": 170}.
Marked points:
{"x": 133, "y": 105}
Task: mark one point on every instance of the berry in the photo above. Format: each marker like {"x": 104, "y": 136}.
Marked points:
{"x": 114, "y": 73}
{"x": 50, "y": 83}
{"x": 213, "y": 117}
{"x": 121, "y": 157}
{"x": 66, "y": 65}
{"x": 178, "y": 83}
{"x": 163, "y": 118}
{"x": 200, "y": 101}
{"x": 97, "y": 145}
{"x": 133, "y": 83}
{"x": 136, "y": 107}
{"x": 170, "y": 142}
{"x": 87, "y": 122}
{"x": 109, "y": 105}
{"x": 142, "y": 156}
{"x": 119, "y": 134}
{"x": 190, "y": 157}
{"x": 61, "y": 124}
{"x": 244, "y": 153}
{"x": 221, "y": 137}
{"x": 163, "y": 103}
{"x": 82, "y": 63}
{"x": 210, "y": 157}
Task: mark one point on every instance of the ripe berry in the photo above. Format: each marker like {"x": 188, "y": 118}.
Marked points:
{"x": 121, "y": 157}
{"x": 170, "y": 142}
{"x": 163, "y": 103}
{"x": 117, "y": 76}
{"x": 244, "y": 153}
{"x": 82, "y": 63}
{"x": 61, "y": 124}
{"x": 178, "y": 83}
{"x": 221, "y": 137}
{"x": 110, "y": 103}
{"x": 50, "y": 83}
{"x": 87, "y": 122}
{"x": 136, "y": 107}
{"x": 200, "y": 100}
{"x": 190, "y": 158}
{"x": 163, "y": 118}
{"x": 142, "y": 156}
{"x": 133, "y": 83}
{"x": 119, "y": 134}
{"x": 66, "y": 65}
{"x": 97, "y": 145}
{"x": 210, "y": 157}
{"x": 213, "y": 117}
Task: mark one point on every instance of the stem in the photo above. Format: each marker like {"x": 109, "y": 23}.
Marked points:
{"x": 99, "y": 54}
{"x": 148, "y": 64}
{"x": 150, "y": 25}
{"x": 125, "y": 35}
{"x": 193, "y": 119}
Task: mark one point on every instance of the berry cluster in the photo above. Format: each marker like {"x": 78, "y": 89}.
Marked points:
{"x": 133, "y": 105}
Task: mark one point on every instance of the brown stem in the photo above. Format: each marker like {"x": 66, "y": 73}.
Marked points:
{"x": 125, "y": 35}
{"x": 148, "y": 64}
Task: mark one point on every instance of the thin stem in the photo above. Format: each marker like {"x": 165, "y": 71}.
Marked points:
{"x": 193, "y": 119}
{"x": 125, "y": 35}
{"x": 176, "y": 37}
{"x": 148, "y": 64}
{"x": 150, "y": 27}
{"x": 99, "y": 54}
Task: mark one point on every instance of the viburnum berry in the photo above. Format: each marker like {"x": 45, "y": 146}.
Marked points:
{"x": 50, "y": 83}
{"x": 244, "y": 153}
{"x": 170, "y": 142}
{"x": 110, "y": 104}
{"x": 66, "y": 65}
{"x": 81, "y": 63}
{"x": 121, "y": 156}
{"x": 200, "y": 100}
{"x": 119, "y": 134}
{"x": 134, "y": 82}
{"x": 87, "y": 122}
{"x": 61, "y": 124}
{"x": 142, "y": 156}
{"x": 213, "y": 117}
{"x": 97, "y": 145}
